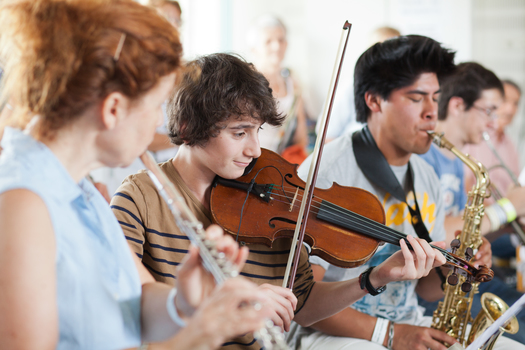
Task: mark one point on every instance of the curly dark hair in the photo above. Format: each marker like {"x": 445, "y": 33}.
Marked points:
{"x": 214, "y": 88}
{"x": 395, "y": 64}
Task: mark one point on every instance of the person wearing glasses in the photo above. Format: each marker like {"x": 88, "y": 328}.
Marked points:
{"x": 504, "y": 246}
{"x": 467, "y": 108}
{"x": 502, "y": 142}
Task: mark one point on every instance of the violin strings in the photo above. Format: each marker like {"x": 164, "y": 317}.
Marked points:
{"x": 389, "y": 233}
{"x": 249, "y": 190}
{"x": 365, "y": 227}
{"x": 345, "y": 214}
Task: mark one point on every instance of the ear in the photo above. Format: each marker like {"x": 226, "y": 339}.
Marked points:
{"x": 114, "y": 109}
{"x": 456, "y": 106}
{"x": 373, "y": 101}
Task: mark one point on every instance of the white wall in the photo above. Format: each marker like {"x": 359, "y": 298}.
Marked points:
{"x": 314, "y": 29}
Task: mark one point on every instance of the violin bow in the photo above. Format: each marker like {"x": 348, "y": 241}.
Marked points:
{"x": 300, "y": 228}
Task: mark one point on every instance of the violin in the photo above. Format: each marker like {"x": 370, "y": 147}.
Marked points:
{"x": 344, "y": 227}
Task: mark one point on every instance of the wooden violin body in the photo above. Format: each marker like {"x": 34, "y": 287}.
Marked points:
{"x": 266, "y": 219}
{"x": 345, "y": 225}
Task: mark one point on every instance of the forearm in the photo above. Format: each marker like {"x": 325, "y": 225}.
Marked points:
{"x": 348, "y": 323}
{"x": 156, "y": 323}
{"x": 327, "y": 299}
{"x": 429, "y": 287}
{"x": 191, "y": 337}
{"x": 455, "y": 223}
{"x": 301, "y": 133}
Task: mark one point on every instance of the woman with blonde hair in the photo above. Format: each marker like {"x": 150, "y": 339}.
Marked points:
{"x": 87, "y": 80}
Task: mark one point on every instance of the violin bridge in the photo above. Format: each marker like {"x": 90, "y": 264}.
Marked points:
{"x": 293, "y": 200}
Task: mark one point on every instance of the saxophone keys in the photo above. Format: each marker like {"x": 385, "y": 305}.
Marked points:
{"x": 462, "y": 307}
{"x": 453, "y": 324}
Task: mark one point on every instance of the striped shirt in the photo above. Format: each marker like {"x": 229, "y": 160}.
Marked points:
{"x": 153, "y": 234}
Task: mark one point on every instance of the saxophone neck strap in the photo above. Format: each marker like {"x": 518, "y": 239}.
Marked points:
{"x": 374, "y": 165}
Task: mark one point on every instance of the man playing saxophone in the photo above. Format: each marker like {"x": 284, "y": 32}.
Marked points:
{"x": 396, "y": 93}
{"x": 467, "y": 105}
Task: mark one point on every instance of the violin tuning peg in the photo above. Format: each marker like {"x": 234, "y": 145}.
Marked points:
{"x": 469, "y": 253}
{"x": 455, "y": 244}
{"x": 466, "y": 287}
{"x": 453, "y": 279}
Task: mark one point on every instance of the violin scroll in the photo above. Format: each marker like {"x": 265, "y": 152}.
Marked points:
{"x": 463, "y": 267}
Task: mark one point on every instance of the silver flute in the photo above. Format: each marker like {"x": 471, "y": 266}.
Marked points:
{"x": 270, "y": 336}
{"x": 496, "y": 193}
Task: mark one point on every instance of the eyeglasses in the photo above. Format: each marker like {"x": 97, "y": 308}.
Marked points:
{"x": 489, "y": 112}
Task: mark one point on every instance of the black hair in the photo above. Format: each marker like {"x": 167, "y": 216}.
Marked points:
{"x": 212, "y": 89}
{"x": 468, "y": 81}
{"x": 397, "y": 63}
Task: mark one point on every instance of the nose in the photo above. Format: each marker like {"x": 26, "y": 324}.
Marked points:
{"x": 491, "y": 124}
{"x": 252, "y": 148}
{"x": 430, "y": 108}
{"x": 274, "y": 45}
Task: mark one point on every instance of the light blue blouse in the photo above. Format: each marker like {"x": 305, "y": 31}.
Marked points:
{"x": 98, "y": 286}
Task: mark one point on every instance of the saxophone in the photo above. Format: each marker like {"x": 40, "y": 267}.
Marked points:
{"x": 453, "y": 313}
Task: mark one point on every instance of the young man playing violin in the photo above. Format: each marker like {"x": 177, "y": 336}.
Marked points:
{"x": 215, "y": 116}
{"x": 396, "y": 92}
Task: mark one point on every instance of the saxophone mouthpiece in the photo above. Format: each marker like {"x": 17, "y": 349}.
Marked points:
{"x": 435, "y": 137}
{"x": 439, "y": 139}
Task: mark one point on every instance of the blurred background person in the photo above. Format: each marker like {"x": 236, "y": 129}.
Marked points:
{"x": 503, "y": 243}
{"x": 503, "y": 144}
{"x": 268, "y": 44}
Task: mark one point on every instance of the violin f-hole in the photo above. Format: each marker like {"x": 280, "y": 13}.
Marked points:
{"x": 288, "y": 221}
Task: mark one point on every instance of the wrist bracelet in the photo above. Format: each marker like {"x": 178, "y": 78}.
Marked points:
{"x": 496, "y": 215}
{"x": 364, "y": 283}
{"x": 380, "y": 331}
{"x": 172, "y": 310}
{"x": 390, "y": 336}
{"x": 509, "y": 209}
